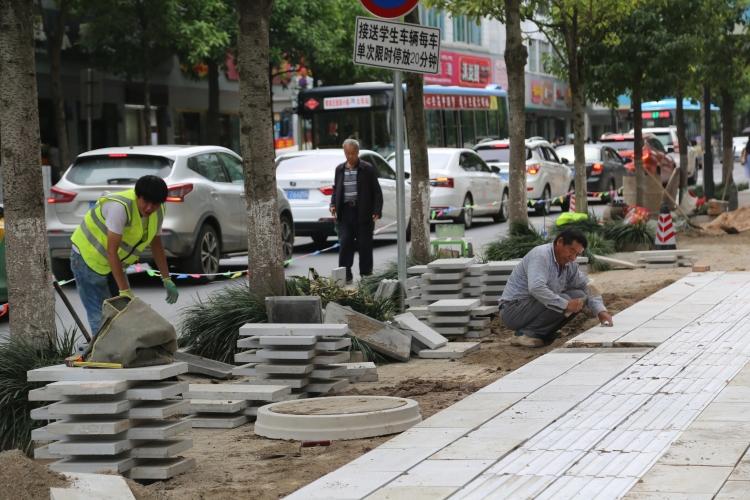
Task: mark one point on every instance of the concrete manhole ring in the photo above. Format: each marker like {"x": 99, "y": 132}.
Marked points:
{"x": 337, "y": 417}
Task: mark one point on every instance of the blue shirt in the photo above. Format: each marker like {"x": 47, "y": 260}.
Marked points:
{"x": 539, "y": 275}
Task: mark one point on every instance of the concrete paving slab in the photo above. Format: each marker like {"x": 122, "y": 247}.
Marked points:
{"x": 159, "y": 409}
{"x": 62, "y": 373}
{"x": 108, "y": 446}
{"x": 327, "y": 386}
{"x": 41, "y": 413}
{"x": 360, "y": 372}
{"x": 390, "y": 459}
{"x": 108, "y": 465}
{"x": 156, "y": 391}
{"x": 331, "y": 358}
{"x": 380, "y": 336}
{"x": 248, "y": 342}
{"x": 294, "y": 309}
{"x": 413, "y": 493}
{"x": 304, "y": 329}
{"x": 274, "y": 354}
{"x": 329, "y": 372}
{"x": 452, "y": 350}
{"x": 287, "y": 341}
{"x": 683, "y": 479}
{"x": 293, "y": 381}
{"x": 247, "y": 392}
{"x": 158, "y": 430}
{"x": 161, "y": 449}
{"x": 89, "y": 426}
{"x": 217, "y": 405}
{"x": 478, "y": 448}
{"x": 88, "y": 407}
{"x": 217, "y": 421}
{"x": 442, "y": 473}
{"x": 688, "y": 450}
{"x": 160, "y": 470}
{"x": 448, "y": 320}
{"x": 450, "y": 331}
{"x": 734, "y": 490}
{"x": 43, "y": 394}
{"x": 204, "y": 366}
{"x": 303, "y": 368}
{"x": 454, "y": 305}
{"x": 98, "y": 388}
{"x": 86, "y": 486}
{"x": 343, "y": 484}
{"x": 329, "y": 344}
{"x": 246, "y": 370}
{"x": 248, "y": 357}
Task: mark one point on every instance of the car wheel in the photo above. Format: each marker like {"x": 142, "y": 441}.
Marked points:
{"x": 206, "y": 254}
{"x": 502, "y": 214}
{"x": 61, "y": 269}
{"x": 319, "y": 239}
{"x": 543, "y": 207}
{"x": 287, "y": 238}
{"x": 467, "y": 213}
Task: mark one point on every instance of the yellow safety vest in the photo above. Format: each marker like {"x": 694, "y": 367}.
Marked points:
{"x": 91, "y": 236}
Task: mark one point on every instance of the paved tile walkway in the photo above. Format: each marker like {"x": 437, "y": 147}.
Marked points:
{"x": 669, "y": 417}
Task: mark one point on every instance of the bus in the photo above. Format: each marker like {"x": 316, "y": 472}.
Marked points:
{"x": 455, "y": 116}
{"x": 663, "y": 113}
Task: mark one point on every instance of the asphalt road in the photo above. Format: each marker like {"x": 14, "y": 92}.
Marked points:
{"x": 150, "y": 289}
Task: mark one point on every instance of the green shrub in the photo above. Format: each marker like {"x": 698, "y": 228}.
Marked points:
{"x": 210, "y": 328}
{"x": 17, "y": 356}
{"x": 628, "y": 236}
{"x": 519, "y": 241}
{"x": 698, "y": 191}
{"x": 598, "y": 245}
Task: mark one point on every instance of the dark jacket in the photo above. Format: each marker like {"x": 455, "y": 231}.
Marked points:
{"x": 369, "y": 194}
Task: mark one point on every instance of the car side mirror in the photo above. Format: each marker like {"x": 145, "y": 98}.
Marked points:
{"x": 495, "y": 169}
{"x": 565, "y": 161}
{"x": 670, "y": 149}
{"x": 407, "y": 175}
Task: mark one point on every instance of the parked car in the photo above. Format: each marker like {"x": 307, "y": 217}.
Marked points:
{"x": 205, "y": 218}
{"x": 462, "y": 185}
{"x": 655, "y": 157}
{"x": 604, "y": 167}
{"x": 547, "y": 177}
{"x": 738, "y": 144}
{"x": 668, "y": 137}
{"x": 307, "y": 180}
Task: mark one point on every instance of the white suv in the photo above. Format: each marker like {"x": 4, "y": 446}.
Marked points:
{"x": 206, "y": 215}
{"x": 668, "y": 137}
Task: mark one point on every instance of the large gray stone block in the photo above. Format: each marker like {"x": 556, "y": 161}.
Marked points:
{"x": 381, "y": 337}
{"x": 294, "y": 309}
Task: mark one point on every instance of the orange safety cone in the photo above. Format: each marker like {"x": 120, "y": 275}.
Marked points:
{"x": 572, "y": 204}
{"x": 665, "y": 234}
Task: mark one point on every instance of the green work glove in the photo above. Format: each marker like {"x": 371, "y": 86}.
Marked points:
{"x": 172, "y": 292}
{"x": 127, "y": 293}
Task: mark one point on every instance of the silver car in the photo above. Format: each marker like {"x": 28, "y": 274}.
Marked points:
{"x": 206, "y": 216}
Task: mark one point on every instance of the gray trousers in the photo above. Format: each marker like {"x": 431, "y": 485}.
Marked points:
{"x": 531, "y": 318}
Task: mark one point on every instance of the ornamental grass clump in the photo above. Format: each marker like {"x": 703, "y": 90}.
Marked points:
{"x": 18, "y": 355}
{"x": 520, "y": 240}
{"x": 210, "y": 328}
{"x": 629, "y": 237}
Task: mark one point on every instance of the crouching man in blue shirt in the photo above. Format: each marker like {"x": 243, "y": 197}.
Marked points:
{"x": 546, "y": 289}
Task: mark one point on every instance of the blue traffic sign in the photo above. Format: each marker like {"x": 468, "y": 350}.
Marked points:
{"x": 389, "y": 9}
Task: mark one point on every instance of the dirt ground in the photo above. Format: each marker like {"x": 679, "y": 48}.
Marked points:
{"x": 237, "y": 464}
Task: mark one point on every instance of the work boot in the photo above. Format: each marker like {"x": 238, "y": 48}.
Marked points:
{"x": 525, "y": 341}
{"x": 349, "y": 276}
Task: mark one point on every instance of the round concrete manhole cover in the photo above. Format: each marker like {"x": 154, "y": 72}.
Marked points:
{"x": 338, "y": 406}
{"x": 338, "y": 417}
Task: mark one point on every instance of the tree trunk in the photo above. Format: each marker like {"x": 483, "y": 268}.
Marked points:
{"x": 578, "y": 103}
{"x": 515, "y": 62}
{"x": 640, "y": 175}
{"x": 682, "y": 142}
{"x": 32, "y": 313}
{"x": 420, "y": 172}
{"x": 708, "y": 151}
{"x": 212, "y": 117}
{"x": 256, "y": 142}
{"x": 727, "y": 155}
{"x": 54, "y": 40}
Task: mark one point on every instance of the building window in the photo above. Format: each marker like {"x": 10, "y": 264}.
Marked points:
{"x": 533, "y": 56}
{"x": 434, "y": 18}
{"x": 545, "y": 54}
{"x": 467, "y": 30}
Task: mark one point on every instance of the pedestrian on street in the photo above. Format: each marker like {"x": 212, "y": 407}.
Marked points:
{"x": 546, "y": 289}
{"x": 112, "y": 236}
{"x": 356, "y": 202}
{"x": 745, "y": 157}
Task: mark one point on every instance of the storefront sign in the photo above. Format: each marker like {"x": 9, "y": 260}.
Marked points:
{"x": 463, "y": 70}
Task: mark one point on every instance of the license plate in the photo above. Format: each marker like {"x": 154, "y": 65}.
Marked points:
{"x": 297, "y": 194}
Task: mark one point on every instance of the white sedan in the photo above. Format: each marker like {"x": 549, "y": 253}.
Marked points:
{"x": 462, "y": 186}
{"x": 307, "y": 180}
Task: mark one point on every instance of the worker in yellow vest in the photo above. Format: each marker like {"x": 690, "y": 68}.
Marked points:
{"x": 112, "y": 236}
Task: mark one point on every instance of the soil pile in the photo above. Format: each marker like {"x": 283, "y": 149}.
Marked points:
{"x": 735, "y": 221}
{"x": 24, "y": 479}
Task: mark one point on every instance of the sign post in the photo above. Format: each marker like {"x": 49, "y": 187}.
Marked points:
{"x": 401, "y": 47}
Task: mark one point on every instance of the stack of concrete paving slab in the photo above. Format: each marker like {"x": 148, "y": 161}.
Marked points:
{"x": 414, "y": 286}
{"x": 496, "y": 274}
{"x": 123, "y": 421}
{"x": 657, "y": 259}
{"x": 299, "y": 355}
{"x": 226, "y": 406}
{"x": 422, "y": 335}
{"x": 473, "y": 286}
{"x": 450, "y": 317}
{"x": 444, "y": 279}
{"x": 479, "y": 321}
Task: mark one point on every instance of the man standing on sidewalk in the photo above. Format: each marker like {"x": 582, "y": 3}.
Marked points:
{"x": 112, "y": 235}
{"x": 546, "y": 289}
{"x": 356, "y": 202}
